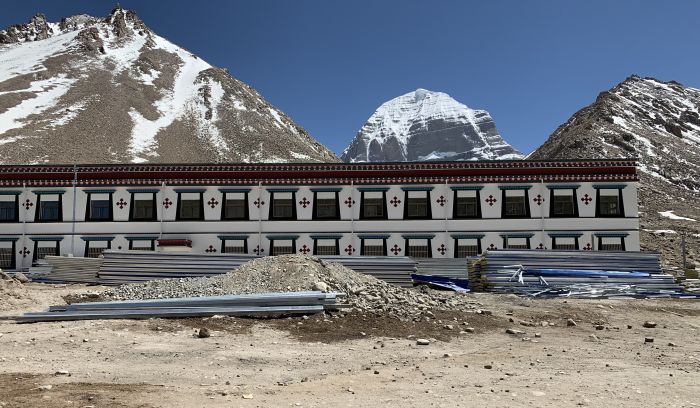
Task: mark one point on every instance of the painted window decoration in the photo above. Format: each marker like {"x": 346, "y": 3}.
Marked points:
{"x": 609, "y": 202}
{"x": 563, "y": 203}
{"x": 283, "y": 207}
{"x": 190, "y": 206}
{"x": 326, "y": 246}
{"x": 373, "y": 205}
{"x": 94, "y": 249}
{"x": 143, "y": 206}
{"x": 49, "y": 208}
{"x": 373, "y": 247}
{"x": 142, "y": 245}
{"x": 235, "y": 206}
{"x": 466, "y": 204}
{"x": 565, "y": 243}
{"x": 611, "y": 243}
{"x": 515, "y": 204}
{"x": 417, "y": 205}
{"x": 326, "y": 205}
{"x": 418, "y": 247}
{"x": 467, "y": 247}
{"x": 7, "y": 254}
{"x": 282, "y": 247}
{"x": 42, "y": 249}
{"x": 100, "y": 207}
{"x": 234, "y": 246}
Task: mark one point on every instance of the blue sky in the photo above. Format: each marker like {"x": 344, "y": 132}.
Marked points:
{"x": 330, "y": 64}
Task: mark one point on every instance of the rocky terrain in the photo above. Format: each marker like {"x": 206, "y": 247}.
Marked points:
{"x": 110, "y": 90}
{"x": 426, "y": 125}
{"x": 659, "y": 123}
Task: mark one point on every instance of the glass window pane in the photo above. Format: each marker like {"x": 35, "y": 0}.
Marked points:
{"x": 99, "y": 209}
{"x": 515, "y": 206}
{"x": 373, "y": 208}
{"x": 7, "y": 210}
{"x": 190, "y": 209}
{"x": 325, "y": 208}
{"x": 417, "y": 207}
{"x": 48, "y": 211}
{"x": 609, "y": 205}
{"x": 143, "y": 210}
{"x": 562, "y": 205}
{"x": 234, "y": 209}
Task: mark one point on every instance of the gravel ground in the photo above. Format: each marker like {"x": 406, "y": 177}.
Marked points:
{"x": 293, "y": 273}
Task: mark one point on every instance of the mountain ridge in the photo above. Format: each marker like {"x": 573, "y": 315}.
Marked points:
{"x": 113, "y": 90}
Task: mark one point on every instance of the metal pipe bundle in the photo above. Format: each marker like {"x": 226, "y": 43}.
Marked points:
{"x": 264, "y": 304}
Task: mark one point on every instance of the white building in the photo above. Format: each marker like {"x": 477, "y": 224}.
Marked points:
{"x": 427, "y": 209}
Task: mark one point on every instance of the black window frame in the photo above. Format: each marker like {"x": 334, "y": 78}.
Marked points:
{"x": 132, "y": 207}
{"x": 272, "y": 246}
{"x": 574, "y": 198}
{"x": 13, "y": 258}
{"x": 622, "y": 244}
{"x": 153, "y": 243}
{"x": 620, "y": 203}
{"x": 38, "y": 210}
{"x": 428, "y": 206}
{"x": 455, "y": 200}
{"x": 14, "y": 219}
{"x": 314, "y": 213}
{"x": 88, "y": 209}
{"x": 385, "y": 211}
{"x": 362, "y": 246}
{"x": 272, "y": 207}
{"x": 223, "y": 244}
{"x": 57, "y": 251}
{"x": 87, "y": 246}
{"x": 407, "y": 246}
{"x": 246, "y": 209}
{"x": 178, "y": 213}
{"x": 337, "y": 244}
{"x": 526, "y": 198}
{"x": 576, "y": 243}
{"x": 505, "y": 242}
{"x": 456, "y": 247}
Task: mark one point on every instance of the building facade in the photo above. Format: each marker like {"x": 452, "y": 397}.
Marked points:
{"x": 427, "y": 209}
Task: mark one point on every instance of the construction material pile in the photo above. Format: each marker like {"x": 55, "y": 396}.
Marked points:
{"x": 298, "y": 273}
{"x": 582, "y": 274}
{"x": 67, "y": 269}
{"x": 264, "y": 304}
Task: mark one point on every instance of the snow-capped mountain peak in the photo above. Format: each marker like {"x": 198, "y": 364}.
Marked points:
{"x": 428, "y": 125}
{"x": 110, "y": 90}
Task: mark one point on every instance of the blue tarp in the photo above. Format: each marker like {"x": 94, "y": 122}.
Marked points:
{"x": 458, "y": 285}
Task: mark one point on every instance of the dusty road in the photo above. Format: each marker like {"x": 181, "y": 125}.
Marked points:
{"x": 359, "y": 361}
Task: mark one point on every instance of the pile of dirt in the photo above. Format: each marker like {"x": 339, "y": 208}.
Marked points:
{"x": 294, "y": 273}
{"x": 13, "y": 294}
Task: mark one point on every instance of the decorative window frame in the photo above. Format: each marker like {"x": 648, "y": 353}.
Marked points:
{"x": 364, "y": 237}
{"x": 527, "y": 237}
{"x": 36, "y": 241}
{"x": 455, "y": 191}
{"x": 574, "y": 197}
{"x": 178, "y": 209}
{"x": 554, "y": 235}
{"x": 13, "y": 251}
{"x": 132, "y": 204}
{"x": 621, "y": 202}
{"x": 428, "y": 203}
{"x": 314, "y": 214}
{"x": 526, "y": 189}
{"x": 336, "y": 238}
{"x": 362, "y": 191}
{"x": 428, "y": 237}
{"x": 131, "y": 240}
{"x": 273, "y": 238}
{"x": 600, "y": 235}
{"x": 245, "y": 192}
{"x": 37, "y": 209}
{"x": 457, "y": 237}
{"x": 272, "y": 192}
{"x": 225, "y": 238}
{"x": 88, "y": 205}
{"x": 89, "y": 239}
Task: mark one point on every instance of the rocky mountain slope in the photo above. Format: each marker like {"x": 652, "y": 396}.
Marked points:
{"x": 110, "y": 90}
{"x": 659, "y": 123}
{"x": 426, "y": 125}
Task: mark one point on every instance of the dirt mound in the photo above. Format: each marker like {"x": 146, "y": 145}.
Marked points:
{"x": 294, "y": 273}
{"x": 13, "y": 294}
